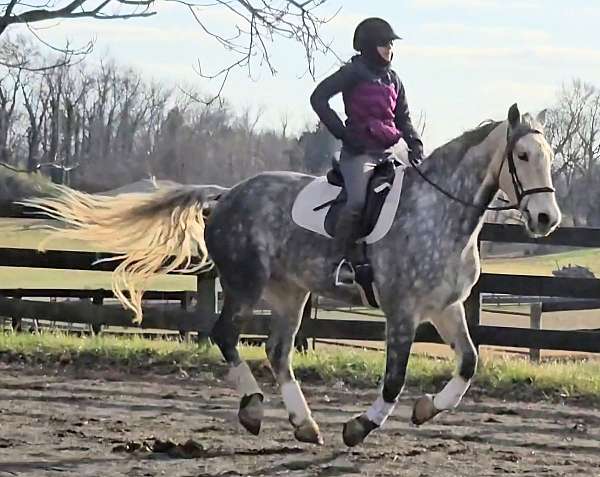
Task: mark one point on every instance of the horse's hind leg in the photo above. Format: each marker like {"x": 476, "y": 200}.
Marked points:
{"x": 452, "y": 327}
{"x": 287, "y": 302}
{"x": 226, "y": 334}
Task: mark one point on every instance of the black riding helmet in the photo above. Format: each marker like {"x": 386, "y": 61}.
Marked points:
{"x": 371, "y": 33}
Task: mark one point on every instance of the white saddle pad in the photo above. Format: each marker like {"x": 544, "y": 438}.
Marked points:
{"x": 319, "y": 191}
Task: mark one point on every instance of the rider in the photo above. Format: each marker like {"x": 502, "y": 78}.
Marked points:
{"x": 377, "y": 117}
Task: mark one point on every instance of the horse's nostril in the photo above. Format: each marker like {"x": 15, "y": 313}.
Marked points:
{"x": 543, "y": 219}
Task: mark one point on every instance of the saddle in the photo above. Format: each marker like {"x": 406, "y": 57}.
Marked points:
{"x": 318, "y": 204}
{"x": 378, "y": 189}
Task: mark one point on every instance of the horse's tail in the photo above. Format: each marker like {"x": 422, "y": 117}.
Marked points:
{"x": 152, "y": 233}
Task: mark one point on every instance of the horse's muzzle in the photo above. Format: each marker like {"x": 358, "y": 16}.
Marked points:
{"x": 541, "y": 216}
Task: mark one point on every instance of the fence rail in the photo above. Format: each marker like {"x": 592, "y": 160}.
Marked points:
{"x": 16, "y": 302}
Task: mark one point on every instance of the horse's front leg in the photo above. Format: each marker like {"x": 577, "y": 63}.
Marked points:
{"x": 400, "y": 332}
{"x": 452, "y": 327}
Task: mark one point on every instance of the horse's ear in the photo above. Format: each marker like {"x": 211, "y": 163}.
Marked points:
{"x": 514, "y": 116}
{"x": 541, "y": 117}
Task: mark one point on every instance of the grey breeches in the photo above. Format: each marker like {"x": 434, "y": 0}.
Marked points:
{"x": 356, "y": 170}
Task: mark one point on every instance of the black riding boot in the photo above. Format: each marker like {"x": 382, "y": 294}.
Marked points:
{"x": 346, "y": 234}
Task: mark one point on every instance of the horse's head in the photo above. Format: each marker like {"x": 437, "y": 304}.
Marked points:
{"x": 525, "y": 174}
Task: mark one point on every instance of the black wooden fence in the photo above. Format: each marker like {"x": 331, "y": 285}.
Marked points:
{"x": 202, "y": 317}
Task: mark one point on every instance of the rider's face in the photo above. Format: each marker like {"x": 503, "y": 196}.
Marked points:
{"x": 386, "y": 51}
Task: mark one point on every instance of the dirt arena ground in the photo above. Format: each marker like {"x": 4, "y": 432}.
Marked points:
{"x": 69, "y": 422}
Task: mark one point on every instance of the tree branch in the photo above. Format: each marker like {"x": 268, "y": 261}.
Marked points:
{"x": 262, "y": 22}
{"x": 69, "y": 11}
{"x": 40, "y": 166}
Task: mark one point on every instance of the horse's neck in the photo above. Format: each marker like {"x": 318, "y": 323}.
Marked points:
{"x": 471, "y": 176}
{"x": 457, "y": 170}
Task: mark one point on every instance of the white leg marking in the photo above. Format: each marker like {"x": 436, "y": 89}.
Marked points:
{"x": 380, "y": 411}
{"x": 450, "y": 396}
{"x": 295, "y": 403}
{"x": 243, "y": 379}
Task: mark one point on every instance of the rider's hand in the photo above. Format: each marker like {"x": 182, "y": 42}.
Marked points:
{"x": 415, "y": 155}
{"x": 352, "y": 143}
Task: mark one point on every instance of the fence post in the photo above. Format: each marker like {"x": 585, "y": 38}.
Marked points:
{"x": 185, "y": 305}
{"x": 16, "y": 323}
{"x": 206, "y": 304}
{"x": 97, "y": 300}
{"x": 535, "y": 323}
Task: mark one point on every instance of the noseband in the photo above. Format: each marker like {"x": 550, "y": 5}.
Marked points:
{"x": 520, "y": 191}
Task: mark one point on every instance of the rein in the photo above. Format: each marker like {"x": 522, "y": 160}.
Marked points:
{"x": 520, "y": 191}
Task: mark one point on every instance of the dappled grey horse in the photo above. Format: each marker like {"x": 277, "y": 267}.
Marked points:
{"x": 424, "y": 268}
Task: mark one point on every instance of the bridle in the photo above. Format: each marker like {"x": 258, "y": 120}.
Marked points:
{"x": 520, "y": 191}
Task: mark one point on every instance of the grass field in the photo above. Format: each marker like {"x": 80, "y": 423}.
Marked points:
{"x": 544, "y": 264}
{"x": 15, "y": 233}
{"x": 554, "y": 379}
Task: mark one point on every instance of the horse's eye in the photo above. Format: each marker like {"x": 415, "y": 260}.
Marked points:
{"x": 523, "y": 156}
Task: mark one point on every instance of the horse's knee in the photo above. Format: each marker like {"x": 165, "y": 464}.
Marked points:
{"x": 468, "y": 364}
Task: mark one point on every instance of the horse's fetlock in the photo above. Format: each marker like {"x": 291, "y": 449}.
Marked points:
{"x": 468, "y": 365}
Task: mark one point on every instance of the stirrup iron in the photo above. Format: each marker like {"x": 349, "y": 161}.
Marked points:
{"x": 338, "y": 270}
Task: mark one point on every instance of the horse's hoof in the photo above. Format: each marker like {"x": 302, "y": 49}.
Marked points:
{"x": 308, "y": 431}
{"x": 356, "y": 429}
{"x": 424, "y": 410}
{"x": 251, "y": 413}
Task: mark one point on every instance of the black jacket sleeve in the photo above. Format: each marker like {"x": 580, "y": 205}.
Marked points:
{"x": 403, "y": 120}
{"x": 325, "y": 90}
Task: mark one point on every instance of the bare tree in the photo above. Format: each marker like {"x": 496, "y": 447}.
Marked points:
{"x": 284, "y": 120}
{"x": 10, "y": 84}
{"x": 318, "y": 146}
{"x": 19, "y": 54}
{"x": 119, "y": 128}
{"x": 589, "y": 135}
{"x": 23, "y": 12}
{"x": 35, "y": 100}
{"x": 563, "y": 125}
{"x": 258, "y": 25}
{"x": 573, "y": 128}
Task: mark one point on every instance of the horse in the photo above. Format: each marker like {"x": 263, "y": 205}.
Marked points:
{"x": 424, "y": 268}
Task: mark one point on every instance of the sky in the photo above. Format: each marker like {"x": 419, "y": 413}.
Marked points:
{"x": 461, "y": 61}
